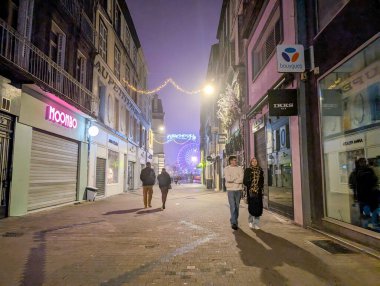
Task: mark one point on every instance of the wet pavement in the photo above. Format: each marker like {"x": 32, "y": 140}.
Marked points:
{"x": 115, "y": 241}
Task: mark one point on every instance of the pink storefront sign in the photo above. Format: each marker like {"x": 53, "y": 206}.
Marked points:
{"x": 60, "y": 117}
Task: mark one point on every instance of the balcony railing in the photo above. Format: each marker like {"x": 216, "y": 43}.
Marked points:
{"x": 35, "y": 64}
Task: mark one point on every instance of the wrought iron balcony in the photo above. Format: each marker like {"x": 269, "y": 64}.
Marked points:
{"x": 24, "y": 57}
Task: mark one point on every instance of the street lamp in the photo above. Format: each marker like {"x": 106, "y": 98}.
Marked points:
{"x": 209, "y": 89}
{"x": 161, "y": 128}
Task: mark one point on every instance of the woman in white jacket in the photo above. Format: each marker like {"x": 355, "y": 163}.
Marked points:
{"x": 234, "y": 175}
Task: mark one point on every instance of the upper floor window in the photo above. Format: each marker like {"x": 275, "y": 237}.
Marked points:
{"x": 134, "y": 55}
{"x": 327, "y": 10}
{"x": 127, "y": 39}
{"x": 103, "y": 33}
{"x": 57, "y": 45}
{"x": 116, "y": 112}
{"x": 266, "y": 46}
{"x": 117, "y": 63}
{"x": 117, "y": 22}
{"x": 81, "y": 67}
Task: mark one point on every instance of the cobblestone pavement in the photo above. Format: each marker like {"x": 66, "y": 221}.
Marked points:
{"x": 115, "y": 241}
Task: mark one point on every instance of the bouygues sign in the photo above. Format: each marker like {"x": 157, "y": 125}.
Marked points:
{"x": 60, "y": 117}
{"x": 290, "y": 58}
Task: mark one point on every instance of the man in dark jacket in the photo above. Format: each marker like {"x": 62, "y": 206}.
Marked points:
{"x": 164, "y": 181}
{"x": 148, "y": 178}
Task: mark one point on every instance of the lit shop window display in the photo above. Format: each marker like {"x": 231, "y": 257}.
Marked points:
{"x": 350, "y": 122}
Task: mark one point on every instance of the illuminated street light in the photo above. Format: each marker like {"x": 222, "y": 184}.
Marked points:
{"x": 161, "y": 128}
{"x": 93, "y": 131}
{"x": 194, "y": 159}
{"x": 209, "y": 89}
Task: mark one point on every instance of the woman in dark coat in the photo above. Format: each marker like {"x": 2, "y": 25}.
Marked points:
{"x": 164, "y": 182}
{"x": 254, "y": 181}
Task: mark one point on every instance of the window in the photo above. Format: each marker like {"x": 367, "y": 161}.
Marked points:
{"x": 327, "y": 10}
{"x": 57, "y": 45}
{"x": 116, "y": 114}
{"x": 127, "y": 39}
{"x": 113, "y": 167}
{"x": 117, "y": 63}
{"x": 132, "y": 128}
{"x": 266, "y": 47}
{"x": 137, "y": 132}
{"x": 350, "y": 125}
{"x": 103, "y": 40}
{"x": 134, "y": 56}
{"x": 81, "y": 67}
{"x": 127, "y": 122}
{"x": 127, "y": 77}
{"x": 117, "y": 22}
{"x": 110, "y": 108}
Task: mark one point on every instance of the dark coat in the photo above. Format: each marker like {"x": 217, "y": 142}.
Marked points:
{"x": 164, "y": 180}
{"x": 363, "y": 181}
{"x": 147, "y": 176}
{"x": 255, "y": 201}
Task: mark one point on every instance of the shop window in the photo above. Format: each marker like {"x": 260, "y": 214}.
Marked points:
{"x": 113, "y": 167}
{"x": 350, "y": 125}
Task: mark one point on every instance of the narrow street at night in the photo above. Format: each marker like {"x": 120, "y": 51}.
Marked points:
{"x": 116, "y": 241}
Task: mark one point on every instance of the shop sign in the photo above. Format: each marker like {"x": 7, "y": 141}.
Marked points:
{"x": 105, "y": 74}
{"x": 290, "y": 58}
{"x": 282, "y": 102}
{"x": 257, "y": 124}
{"x": 222, "y": 138}
{"x": 353, "y": 141}
{"x": 114, "y": 142}
{"x": 60, "y": 117}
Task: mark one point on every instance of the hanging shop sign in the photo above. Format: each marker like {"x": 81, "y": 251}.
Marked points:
{"x": 222, "y": 138}
{"x": 54, "y": 115}
{"x": 290, "y": 58}
{"x": 282, "y": 102}
{"x": 257, "y": 124}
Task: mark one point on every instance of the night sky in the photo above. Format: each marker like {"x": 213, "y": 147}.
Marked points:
{"x": 176, "y": 37}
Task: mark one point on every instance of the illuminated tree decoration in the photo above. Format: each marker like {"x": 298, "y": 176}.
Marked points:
{"x": 228, "y": 107}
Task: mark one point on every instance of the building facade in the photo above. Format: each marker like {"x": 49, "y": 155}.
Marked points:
{"x": 46, "y": 55}
{"x": 121, "y": 149}
{"x": 159, "y": 134}
{"x": 342, "y": 105}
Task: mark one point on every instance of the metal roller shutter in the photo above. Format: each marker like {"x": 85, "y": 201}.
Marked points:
{"x": 53, "y": 171}
{"x": 100, "y": 176}
{"x": 261, "y": 156}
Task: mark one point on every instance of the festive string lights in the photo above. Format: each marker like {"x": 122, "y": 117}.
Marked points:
{"x": 207, "y": 89}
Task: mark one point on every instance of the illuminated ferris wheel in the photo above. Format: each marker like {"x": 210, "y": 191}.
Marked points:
{"x": 188, "y": 157}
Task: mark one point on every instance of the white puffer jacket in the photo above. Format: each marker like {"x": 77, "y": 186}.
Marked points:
{"x": 234, "y": 178}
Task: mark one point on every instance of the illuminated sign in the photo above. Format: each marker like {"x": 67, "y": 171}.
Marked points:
{"x": 60, "y": 117}
{"x": 188, "y": 137}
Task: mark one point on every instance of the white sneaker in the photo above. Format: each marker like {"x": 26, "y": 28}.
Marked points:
{"x": 250, "y": 225}
{"x": 256, "y": 226}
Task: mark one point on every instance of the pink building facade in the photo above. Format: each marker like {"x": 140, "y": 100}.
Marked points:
{"x": 274, "y": 141}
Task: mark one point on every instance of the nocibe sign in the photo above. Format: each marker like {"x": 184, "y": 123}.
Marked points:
{"x": 60, "y": 117}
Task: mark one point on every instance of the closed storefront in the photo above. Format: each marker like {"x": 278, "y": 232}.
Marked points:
{"x": 53, "y": 171}
{"x": 50, "y": 154}
{"x": 260, "y": 154}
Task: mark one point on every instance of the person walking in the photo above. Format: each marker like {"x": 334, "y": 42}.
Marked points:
{"x": 148, "y": 178}
{"x": 254, "y": 181}
{"x": 164, "y": 182}
{"x": 233, "y": 175}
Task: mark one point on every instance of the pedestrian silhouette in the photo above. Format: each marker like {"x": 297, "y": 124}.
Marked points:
{"x": 164, "y": 181}
{"x": 148, "y": 178}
